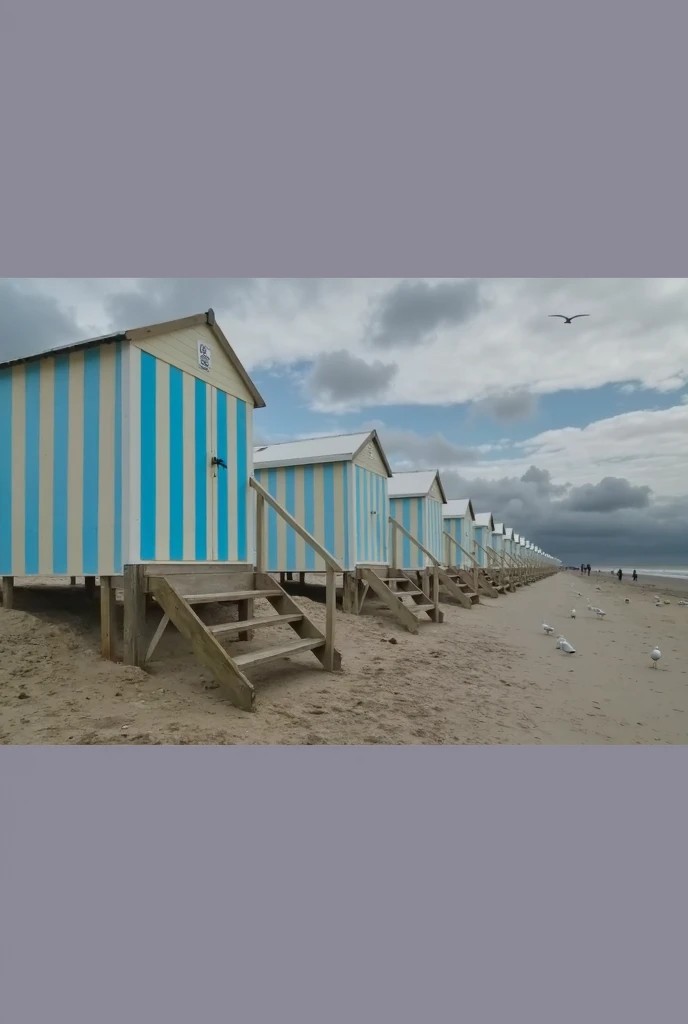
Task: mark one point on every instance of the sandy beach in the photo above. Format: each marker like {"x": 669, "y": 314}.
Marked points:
{"x": 486, "y": 676}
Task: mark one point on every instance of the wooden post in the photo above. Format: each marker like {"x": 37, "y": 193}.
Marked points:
{"x": 134, "y": 615}
{"x": 436, "y": 587}
{"x": 108, "y": 643}
{"x": 90, "y": 585}
{"x": 302, "y": 578}
{"x": 330, "y": 611}
{"x": 244, "y": 612}
{"x": 395, "y": 559}
{"x": 7, "y": 591}
{"x": 260, "y": 533}
{"x": 72, "y": 581}
{"x": 348, "y": 592}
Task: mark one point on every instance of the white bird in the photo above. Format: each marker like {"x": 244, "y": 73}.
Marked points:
{"x": 566, "y": 647}
{"x": 682, "y": 604}
{"x": 560, "y": 640}
{"x": 590, "y": 608}
{"x": 573, "y": 613}
{"x": 655, "y": 655}
{"x": 600, "y": 614}
{"x": 547, "y": 629}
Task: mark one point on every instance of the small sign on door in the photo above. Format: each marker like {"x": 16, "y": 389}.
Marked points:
{"x": 204, "y": 356}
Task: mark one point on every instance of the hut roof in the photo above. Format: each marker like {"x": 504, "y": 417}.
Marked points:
{"x": 334, "y": 448}
{"x": 509, "y": 532}
{"x": 138, "y": 333}
{"x": 499, "y": 528}
{"x": 415, "y": 485}
{"x": 456, "y": 508}
{"x": 484, "y": 519}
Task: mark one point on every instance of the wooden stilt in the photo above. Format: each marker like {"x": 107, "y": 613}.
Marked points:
{"x": 7, "y": 591}
{"x": 72, "y": 581}
{"x": 108, "y": 643}
{"x": 134, "y": 614}
{"x": 90, "y": 585}
{"x": 244, "y": 613}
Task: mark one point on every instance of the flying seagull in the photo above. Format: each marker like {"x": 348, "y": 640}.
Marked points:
{"x": 568, "y": 319}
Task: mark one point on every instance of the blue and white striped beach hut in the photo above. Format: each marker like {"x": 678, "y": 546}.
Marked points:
{"x": 508, "y": 540}
{"x": 498, "y": 538}
{"x": 131, "y": 448}
{"x": 458, "y": 517}
{"x": 415, "y": 501}
{"x": 483, "y": 529}
{"x": 336, "y": 487}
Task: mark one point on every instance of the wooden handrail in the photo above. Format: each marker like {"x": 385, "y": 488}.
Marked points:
{"x": 414, "y": 540}
{"x": 473, "y": 560}
{"x": 435, "y": 563}
{"x": 331, "y": 563}
{"x": 296, "y": 526}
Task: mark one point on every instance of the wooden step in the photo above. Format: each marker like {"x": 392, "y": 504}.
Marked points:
{"x": 229, "y": 596}
{"x": 420, "y": 607}
{"x": 275, "y": 653}
{"x": 246, "y": 624}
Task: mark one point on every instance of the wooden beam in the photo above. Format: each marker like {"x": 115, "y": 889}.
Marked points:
{"x": 157, "y": 637}
{"x": 330, "y": 611}
{"x": 108, "y": 625}
{"x": 7, "y": 591}
{"x": 90, "y": 586}
{"x": 134, "y": 615}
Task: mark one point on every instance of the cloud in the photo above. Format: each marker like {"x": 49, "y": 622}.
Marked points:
{"x": 412, "y": 310}
{"x": 510, "y": 406}
{"x": 408, "y": 450}
{"x": 609, "y": 495}
{"x": 32, "y": 323}
{"x": 339, "y": 378}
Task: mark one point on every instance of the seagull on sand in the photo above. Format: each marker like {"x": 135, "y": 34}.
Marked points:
{"x": 568, "y": 319}
{"x": 547, "y": 629}
{"x": 560, "y": 640}
{"x": 573, "y": 613}
{"x": 566, "y": 647}
{"x": 655, "y": 655}
{"x": 600, "y": 614}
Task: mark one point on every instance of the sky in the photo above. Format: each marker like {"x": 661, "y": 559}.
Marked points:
{"x": 574, "y": 434}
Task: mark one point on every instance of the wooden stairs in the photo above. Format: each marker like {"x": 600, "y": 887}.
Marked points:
{"x": 180, "y": 595}
{"x": 485, "y": 587}
{"x": 451, "y": 586}
{"x": 400, "y": 594}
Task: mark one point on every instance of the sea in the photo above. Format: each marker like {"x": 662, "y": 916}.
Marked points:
{"x": 671, "y": 572}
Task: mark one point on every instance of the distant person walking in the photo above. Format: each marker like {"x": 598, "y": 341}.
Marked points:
{"x": 620, "y": 575}
{"x": 635, "y": 576}
{"x": 588, "y": 568}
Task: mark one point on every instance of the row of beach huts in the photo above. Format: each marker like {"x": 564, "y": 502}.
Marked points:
{"x": 128, "y": 460}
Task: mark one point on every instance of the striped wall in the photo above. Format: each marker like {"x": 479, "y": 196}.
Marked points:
{"x": 460, "y": 527}
{"x": 319, "y": 497}
{"x": 181, "y": 507}
{"x": 482, "y": 535}
{"x": 371, "y": 504}
{"x": 422, "y": 517}
{"x": 61, "y": 463}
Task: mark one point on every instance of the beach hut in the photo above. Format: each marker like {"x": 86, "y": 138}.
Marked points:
{"x": 128, "y": 457}
{"x": 458, "y": 517}
{"x": 483, "y": 529}
{"x": 337, "y": 487}
{"x": 415, "y": 501}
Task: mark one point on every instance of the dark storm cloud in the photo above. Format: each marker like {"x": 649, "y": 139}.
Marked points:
{"x": 31, "y": 323}
{"x": 341, "y": 377}
{"x": 413, "y": 310}
{"x": 609, "y": 495}
{"x": 603, "y": 523}
{"x": 510, "y": 406}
